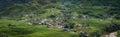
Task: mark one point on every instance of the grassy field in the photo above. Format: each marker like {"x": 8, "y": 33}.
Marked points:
{"x": 22, "y": 29}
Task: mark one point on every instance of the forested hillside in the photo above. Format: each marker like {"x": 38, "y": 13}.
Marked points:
{"x": 92, "y": 8}
{"x": 95, "y": 17}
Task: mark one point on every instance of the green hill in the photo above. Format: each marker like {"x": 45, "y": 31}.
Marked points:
{"x": 99, "y": 14}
